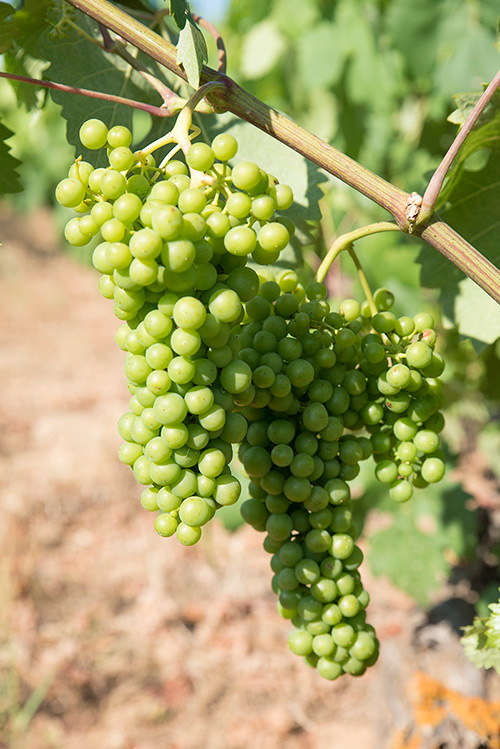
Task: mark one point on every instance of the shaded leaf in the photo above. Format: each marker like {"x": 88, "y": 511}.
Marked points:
{"x": 9, "y": 178}
{"x": 472, "y": 210}
{"x": 410, "y": 558}
{"x": 192, "y": 52}
{"x": 179, "y": 10}
{"x": 474, "y": 311}
{"x": 92, "y": 68}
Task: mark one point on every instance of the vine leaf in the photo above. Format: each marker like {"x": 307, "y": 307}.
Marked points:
{"x": 477, "y": 650}
{"x": 472, "y": 210}
{"x": 9, "y": 178}
{"x": 486, "y": 134}
{"x": 417, "y": 550}
{"x": 93, "y": 68}
{"x": 262, "y": 47}
{"x": 481, "y": 641}
{"x": 179, "y": 10}
{"x": 192, "y": 51}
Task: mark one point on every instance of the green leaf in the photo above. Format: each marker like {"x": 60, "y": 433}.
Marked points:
{"x": 262, "y": 48}
{"x": 192, "y": 52}
{"x": 493, "y": 625}
{"x": 92, "y": 68}
{"x": 179, "y": 10}
{"x": 477, "y": 650}
{"x": 293, "y": 17}
{"x": 410, "y": 558}
{"x": 474, "y": 311}
{"x": 485, "y": 135}
{"x": 415, "y": 552}
{"x": 322, "y": 51}
{"x": 9, "y": 178}
{"x": 472, "y": 210}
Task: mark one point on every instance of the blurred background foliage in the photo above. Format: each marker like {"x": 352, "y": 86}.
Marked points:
{"x": 376, "y": 79}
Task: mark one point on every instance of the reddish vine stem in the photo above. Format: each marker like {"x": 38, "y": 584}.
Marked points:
{"x": 436, "y": 182}
{"x": 157, "y": 111}
{"x": 221, "y": 49}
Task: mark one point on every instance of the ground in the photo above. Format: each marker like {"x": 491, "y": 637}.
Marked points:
{"x": 113, "y": 637}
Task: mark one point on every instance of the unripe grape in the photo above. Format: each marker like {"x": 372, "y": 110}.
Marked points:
{"x": 93, "y": 134}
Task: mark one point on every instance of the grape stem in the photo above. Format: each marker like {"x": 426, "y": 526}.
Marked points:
{"x": 157, "y": 111}
{"x": 344, "y": 242}
{"x": 180, "y": 132}
{"x": 433, "y": 189}
{"x": 363, "y": 281}
{"x": 171, "y": 101}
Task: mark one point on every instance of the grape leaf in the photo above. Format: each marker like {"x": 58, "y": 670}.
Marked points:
{"x": 486, "y": 134}
{"x": 179, "y": 10}
{"x": 263, "y": 46}
{"x": 322, "y": 50}
{"x": 493, "y": 625}
{"x": 95, "y": 69}
{"x": 477, "y": 314}
{"x": 20, "y": 32}
{"x": 472, "y": 210}
{"x": 410, "y": 558}
{"x": 477, "y": 650}
{"x": 192, "y": 52}
{"x": 414, "y": 552}
{"x": 9, "y": 178}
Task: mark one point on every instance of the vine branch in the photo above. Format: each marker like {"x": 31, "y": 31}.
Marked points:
{"x": 436, "y": 182}
{"x": 157, "y": 111}
{"x": 241, "y": 103}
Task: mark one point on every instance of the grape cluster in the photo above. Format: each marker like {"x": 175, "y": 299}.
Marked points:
{"x": 173, "y": 258}
{"x": 219, "y": 354}
{"x": 330, "y": 389}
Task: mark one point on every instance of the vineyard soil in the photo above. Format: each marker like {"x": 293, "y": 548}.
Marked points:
{"x": 126, "y": 640}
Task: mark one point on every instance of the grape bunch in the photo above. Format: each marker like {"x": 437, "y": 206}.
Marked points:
{"x": 173, "y": 258}
{"x": 220, "y": 353}
{"x": 329, "y": 390}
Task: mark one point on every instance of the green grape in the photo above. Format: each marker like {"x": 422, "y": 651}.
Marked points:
{"x": 121, "y": 158}
{"x": 240, "y": 241}
{"x": 433, "y": 470}
{"x": 70, "y": 192}
{"x": 224, "y": 146}
{"x": 200, "y": 156}
{"x": 93, "y": 134}
{"x": 112, "y": 184}
{"x": 401, "y": 491}
{"x": 119, "y": 136}
{"x": 418, "y": 355}
{"x": 246, "y": 175}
